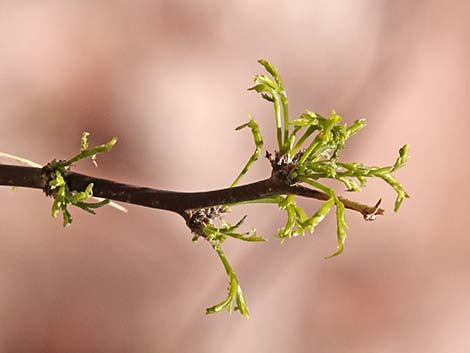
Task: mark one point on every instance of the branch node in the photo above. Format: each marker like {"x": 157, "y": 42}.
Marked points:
{"x": 48, "y": 173}
{"x": 197, "y": 219}
{"x": 283, "y": 166}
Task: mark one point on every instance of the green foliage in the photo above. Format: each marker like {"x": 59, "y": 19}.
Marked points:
{"x": 258, "y": 143}
{"x": 221, "y": 233}
{"x": 63, "y": 196}
{"x": 308, "y": 151}
{"x": 202, "y": 224}
{"x": 235, "y": 294}
{"x": 272, "y": 89}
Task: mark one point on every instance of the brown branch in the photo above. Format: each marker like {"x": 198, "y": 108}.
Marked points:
{"x": 178, "y": 202}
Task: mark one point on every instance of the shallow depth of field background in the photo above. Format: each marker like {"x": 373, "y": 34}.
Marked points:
{"x": 169, "y": 79}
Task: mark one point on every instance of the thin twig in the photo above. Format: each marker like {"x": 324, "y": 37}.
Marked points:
{"x": 178, "y": 202}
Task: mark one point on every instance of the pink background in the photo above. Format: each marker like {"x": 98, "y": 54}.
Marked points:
{"x": 169, "y": 79}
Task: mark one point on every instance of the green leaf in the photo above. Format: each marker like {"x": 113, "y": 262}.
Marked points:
{"x": 398, "y": 187}
{"x": 96, "y": 204}
{"x": 356, "y": 126}
{"x": 323, "y": 137}
{"x": 350, "y": 184}
{"x": 286, "y": 201}
{"x": 402, "y": 159}
{"x": 286, "y": 232}
{"x": 318, "y": 216}
{"x": 241, "y": 303}
{"x": 258, "y": 146}
{"x": 273, "y": 71}
{"x": 261, "y": 87}
{"x": 57, "y": 181}
{"x": 250, "y": 237}
{"x": 84, "y": 208}
{"x": 277, "y": 95}
{"x": 67, "y": 217}
{"x": 84, "y": 144}
{"x": 309, "y": 118}
{"x": 234, "y": 290}
{"x": 228, "y": 230}
{"x": 81, "y": 195}
{"x": 87, "y": 153}
{"x": 341, "y": 227}
{"x": 301, "y": 215}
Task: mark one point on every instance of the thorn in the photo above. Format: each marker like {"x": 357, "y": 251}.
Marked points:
{"x": 371, "y": 214}
{"x": 377, "y": 205}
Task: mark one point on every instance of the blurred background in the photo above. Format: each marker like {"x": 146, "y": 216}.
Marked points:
{"x": 169, "y": 79}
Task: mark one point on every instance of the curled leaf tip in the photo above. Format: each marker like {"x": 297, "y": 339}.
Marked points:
{"x": 336, "y": 253}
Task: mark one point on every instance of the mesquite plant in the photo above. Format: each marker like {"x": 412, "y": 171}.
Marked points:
{"x": 308, "y": 151}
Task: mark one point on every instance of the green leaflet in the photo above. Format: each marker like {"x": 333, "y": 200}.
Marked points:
{"x": 272, "y": 89}
{"x": 62, "y": 195}
{"x": 318, "y": 216}
{"x": 219, "y": 234}
{"x": 258, "y": 143}
{"x": 235, "y": 293}
{"x": 341, "y": 227}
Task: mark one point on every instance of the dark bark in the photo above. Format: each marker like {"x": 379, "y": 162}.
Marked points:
{"x": 178, "y": 202}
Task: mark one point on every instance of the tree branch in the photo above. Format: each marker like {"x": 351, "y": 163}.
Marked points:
{"x": 178, "y": 202}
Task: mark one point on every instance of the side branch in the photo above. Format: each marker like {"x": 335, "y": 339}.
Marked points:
{"x": 178, "y": 202}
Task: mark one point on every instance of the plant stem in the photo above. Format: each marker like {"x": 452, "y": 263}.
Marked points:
{"x": 178, "y": 202}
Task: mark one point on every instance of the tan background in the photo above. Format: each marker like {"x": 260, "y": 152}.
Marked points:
{"x": 169, "y": 78}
